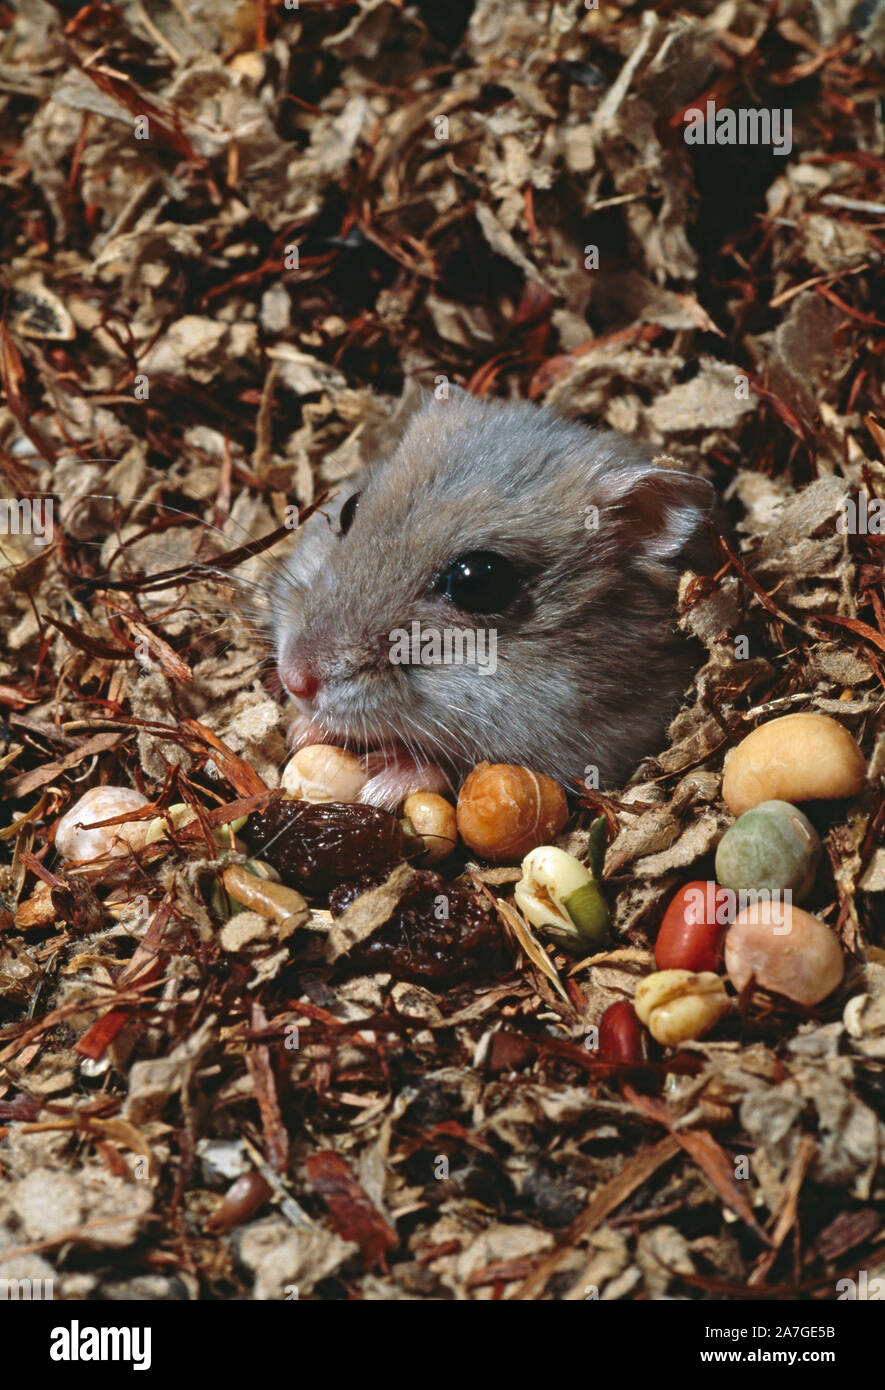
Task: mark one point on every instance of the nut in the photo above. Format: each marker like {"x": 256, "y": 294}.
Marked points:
{"x": 434, "y": 819}
{"x": 321, "y": 772}
{"x": 179, "y": 815}
{"x": 240, "y": 1203}
{"x": 505, "y": 811}
{"x": 772, "y": 846}
{"x": 74, "y": 841}
{"x": 787, "y": 950}
{"x": 176, "y": 816}
{"x": 621, "y": 1038}
{"x": 678, "y": 1005}
{"x": 798, "y": 757}
{"x": 560, "y": 895}
{"x": 272, "y": 900}
{"x": 693, "y": 928}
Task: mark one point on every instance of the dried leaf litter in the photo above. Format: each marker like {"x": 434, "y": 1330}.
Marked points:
{"x": 174, "y": 377}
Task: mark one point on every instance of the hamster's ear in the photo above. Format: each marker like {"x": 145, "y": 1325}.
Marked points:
{"x": 661, "y": 514}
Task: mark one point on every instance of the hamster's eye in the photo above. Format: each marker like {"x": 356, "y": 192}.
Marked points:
{"x": 481, "y": 582}
{"x": 348, "y": 512}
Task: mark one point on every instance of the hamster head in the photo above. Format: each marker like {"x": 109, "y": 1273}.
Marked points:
{"x": 551, "y": 548}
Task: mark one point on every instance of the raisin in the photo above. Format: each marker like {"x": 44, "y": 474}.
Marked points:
{"x": 419, "y": 945}
{"x": 317, "y": 845}
{"x": 343, "y": 894}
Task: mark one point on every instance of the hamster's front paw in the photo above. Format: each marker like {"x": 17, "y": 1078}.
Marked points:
{"x": 395, "y": 775}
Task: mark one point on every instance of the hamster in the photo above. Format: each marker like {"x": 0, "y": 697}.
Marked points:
{"x": 550, "y": 545}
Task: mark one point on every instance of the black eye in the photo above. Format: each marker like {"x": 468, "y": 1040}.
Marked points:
{"x": 481, "y": 582}
{"x": 348, "y": 512}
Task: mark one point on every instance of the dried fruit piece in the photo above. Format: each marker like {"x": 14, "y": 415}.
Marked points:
{"x": 439, "y": 931}
{"x": 321, "y": 772}
{"x": 798, "y": 757}
{"x": 558, "y": 894}
{"x": 678, "y": 1005}
{"x": 771, "y": 847}
{"x": 317, "y": 845}
{"x": 690, "y": 936}
{"x": 74, "y": 841}
{"x": 787, "y": 951}
{"x": 504, "y": 811}
{"x": 433, "y": 818}
{"x": 509, "y": 1052}
{"x": 621, "y": 1038}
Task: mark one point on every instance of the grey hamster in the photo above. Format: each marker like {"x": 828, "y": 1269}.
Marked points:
{"x": 555, "y": 544}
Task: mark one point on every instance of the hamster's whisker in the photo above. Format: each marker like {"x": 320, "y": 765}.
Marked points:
{"x": 471, "y": 746}
{"x": 448, "y": 736}
{"x": 424, "y": 735}
{"x": 211, "y": 526}
{"x": 443, "y": 745}
{"x": 206, "y": 571}
{"x": 414, "y": 753}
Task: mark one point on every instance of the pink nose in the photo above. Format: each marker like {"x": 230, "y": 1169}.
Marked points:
{"x": 299, "y": 679}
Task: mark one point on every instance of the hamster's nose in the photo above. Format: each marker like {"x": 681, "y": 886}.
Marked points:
{"x": 299, "y": 678}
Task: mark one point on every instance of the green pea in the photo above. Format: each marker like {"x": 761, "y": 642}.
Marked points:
{"x": 773, "y": 847}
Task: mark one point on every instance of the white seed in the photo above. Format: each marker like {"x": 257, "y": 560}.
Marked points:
{"x": 434, "y": 819}
{"x": 852, "y": 1015}
{"x": 178, "y": 816}
{"x": 320, "y": 772}
{"x": 74, "y": 841}
{"x": 558, "y": 894}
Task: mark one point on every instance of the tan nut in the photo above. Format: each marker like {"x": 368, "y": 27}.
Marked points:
{"x": 679, "y": 1005}
{"x": 321, "y": 772}
{"x": 73, "y": 840}
{"x": 798, "y": 757}
{"x": 434, "y": 819}
{"x": 272, "y": 900}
